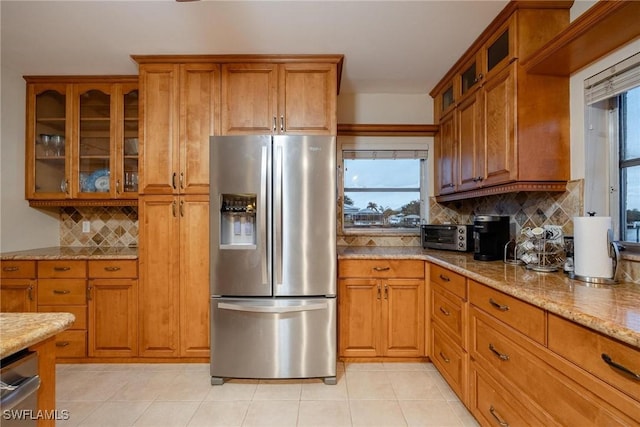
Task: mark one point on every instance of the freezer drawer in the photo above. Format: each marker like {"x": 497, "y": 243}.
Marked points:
{"x": 273, "y": 338}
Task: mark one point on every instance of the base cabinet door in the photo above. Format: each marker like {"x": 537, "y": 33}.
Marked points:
{"x": 359, "y": 314}
{"x": 194, "y": 276}
{"x": 403, "y": 317}
{"x": 159, "y": 277}
{"x": 174, "y": 276}
{"x": 18, "y": 295}
{"x": 381, "y": 316}
{"x": 113, "y": 317}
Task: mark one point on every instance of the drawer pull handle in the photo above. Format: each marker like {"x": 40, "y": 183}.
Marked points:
{"x": 112, "y": 268}
{"x": 445, "y": 278}
{"x": 381, "y": 268}
{"x": 619, "y": 367}
{"x": 62, "y": 268}
{"x": 498, "y": 305}
{"x": 12, "y": 268}
{"x": 61, "y": 291}
{"x": 499, "y": 419}
{"x": 62, "y": 343}
{"x": 500, "y": 356}
{"x": 443, "y": 357}
{"x": 445, "y": 311}
{"x": 379, "y": 293}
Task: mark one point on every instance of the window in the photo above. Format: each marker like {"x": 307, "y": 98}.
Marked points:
{"x": 613, "y": 132}
{"x": 384, "y": 190}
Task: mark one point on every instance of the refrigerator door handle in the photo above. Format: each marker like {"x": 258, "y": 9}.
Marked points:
{"x": 277, "y": 208}
{"x": 262, "y": 209}
{"x": 248, "y": 307}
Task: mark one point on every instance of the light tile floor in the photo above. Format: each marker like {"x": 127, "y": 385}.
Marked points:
{"x": 367, "y": 394}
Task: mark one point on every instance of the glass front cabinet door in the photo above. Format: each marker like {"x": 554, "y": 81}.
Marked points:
{"x": 82, "y": 140}
{"x": 48, "y": 133}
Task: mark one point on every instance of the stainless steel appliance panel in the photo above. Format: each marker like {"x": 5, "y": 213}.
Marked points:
{"x": 273, "y": 338}
{"x": 19, "y": 390}
{"x": 304, "y": 211}
{"x": 241, "y": 165}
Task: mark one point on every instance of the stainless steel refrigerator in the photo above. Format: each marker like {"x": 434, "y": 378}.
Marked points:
{"x": 273, "y": 257}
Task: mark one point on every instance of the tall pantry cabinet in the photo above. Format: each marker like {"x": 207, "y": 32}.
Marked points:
{"x": 179, "y": 106}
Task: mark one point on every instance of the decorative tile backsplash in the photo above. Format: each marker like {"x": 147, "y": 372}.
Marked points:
{"x": 528, "y": 209}
{"x": 109, "y": 226}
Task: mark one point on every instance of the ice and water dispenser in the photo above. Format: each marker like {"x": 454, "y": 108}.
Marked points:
{"x": 238, "y": 221}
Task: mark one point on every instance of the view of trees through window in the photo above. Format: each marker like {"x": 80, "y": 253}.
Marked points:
{"x": 382, "y": 193}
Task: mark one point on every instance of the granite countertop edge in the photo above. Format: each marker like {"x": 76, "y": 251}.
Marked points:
{"x": 72, "y": 253}
{"x": 547, "y": 296}
{"x": 22, "y": 330}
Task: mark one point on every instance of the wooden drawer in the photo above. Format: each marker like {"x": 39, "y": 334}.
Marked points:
{"x": 71, "y": 344}
{"x": 79, "y": 311}
{"x": 62, "y": 269}
{"x": 453, "y": 282}
{"x": 62, "y": 292}
{"x": 113, "y": 269}
{"x": 18, "y": 269}
{"x": 447, "y": 310}
{"x": 450, "y": 360}
{"x": 491, "y": 404}
{"x": 497, "y": 348}
{"x": 586, "y": 348}
{"x": 524, "y": 317}
{"x": 381, "y": 268}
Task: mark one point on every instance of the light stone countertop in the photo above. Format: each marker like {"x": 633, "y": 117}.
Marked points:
{"x": 22, "y": 330}
{"x": 72, "y": 252}
{"x": 613, "y": 310}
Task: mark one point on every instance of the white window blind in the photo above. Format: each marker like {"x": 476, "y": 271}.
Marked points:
{"x": 613, "y": 81}
{"x": 385, "y": 154}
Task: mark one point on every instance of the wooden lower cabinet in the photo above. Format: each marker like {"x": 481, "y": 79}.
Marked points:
{"x": 113, "y": 318}
{"x": 18, "y": 295}
{"x": 18, "y": 286}
{"x": 381, "y": 316}
{"x": 62, "y": 286}
{"x": 174, "y": 276}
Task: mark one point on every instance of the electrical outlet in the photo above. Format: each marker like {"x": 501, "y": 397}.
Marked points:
{"x": 86, "y": 226}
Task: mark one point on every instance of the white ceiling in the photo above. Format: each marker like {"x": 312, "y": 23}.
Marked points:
{"x": 389, "y": 46}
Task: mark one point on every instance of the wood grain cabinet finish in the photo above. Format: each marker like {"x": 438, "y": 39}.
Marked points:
{"x": 445, "y": 147}
{"x": 62, "y": 286}
{"x": 174, "y": 276}
{"x": 112, "y": 296}
{"x": 179, "y": 113}
{"x": 502, "y": 113}
{"x": 287, "y": 98}
{"x": 612, "y": 361}
{"x": 93, "y": 115}
{"x": 381, "y": 316}
{"x": 18, "y": 286}
{"x": 448, "y": 334}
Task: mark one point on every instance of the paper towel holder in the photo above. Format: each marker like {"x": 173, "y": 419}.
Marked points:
{"x": 614, "y": 254}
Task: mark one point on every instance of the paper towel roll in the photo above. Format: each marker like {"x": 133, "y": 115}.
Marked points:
{"x": 591, "y": 246}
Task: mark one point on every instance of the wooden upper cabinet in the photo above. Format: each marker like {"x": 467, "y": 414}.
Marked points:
{"x": 159, "y": 116}
{"x": 249, "y": 99}
{"x": 445, "y": 153}
{"x": 289, "y": 98}
{"x": 77, "y": 132}
{"x": 503, "y": 113}
{"x": 179, "y": 113}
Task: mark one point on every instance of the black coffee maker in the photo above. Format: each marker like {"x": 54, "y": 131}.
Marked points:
{"x": 490, "y": 234}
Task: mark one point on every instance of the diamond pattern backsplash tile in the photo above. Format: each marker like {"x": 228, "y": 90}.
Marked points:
{"x": 109, "y": 226}
{"x": 527, "y": 209}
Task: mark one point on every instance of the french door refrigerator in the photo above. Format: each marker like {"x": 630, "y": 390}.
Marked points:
{"x": 273, "y": 257}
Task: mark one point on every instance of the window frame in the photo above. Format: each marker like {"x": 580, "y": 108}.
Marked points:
{"x": 380, "y": 143}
